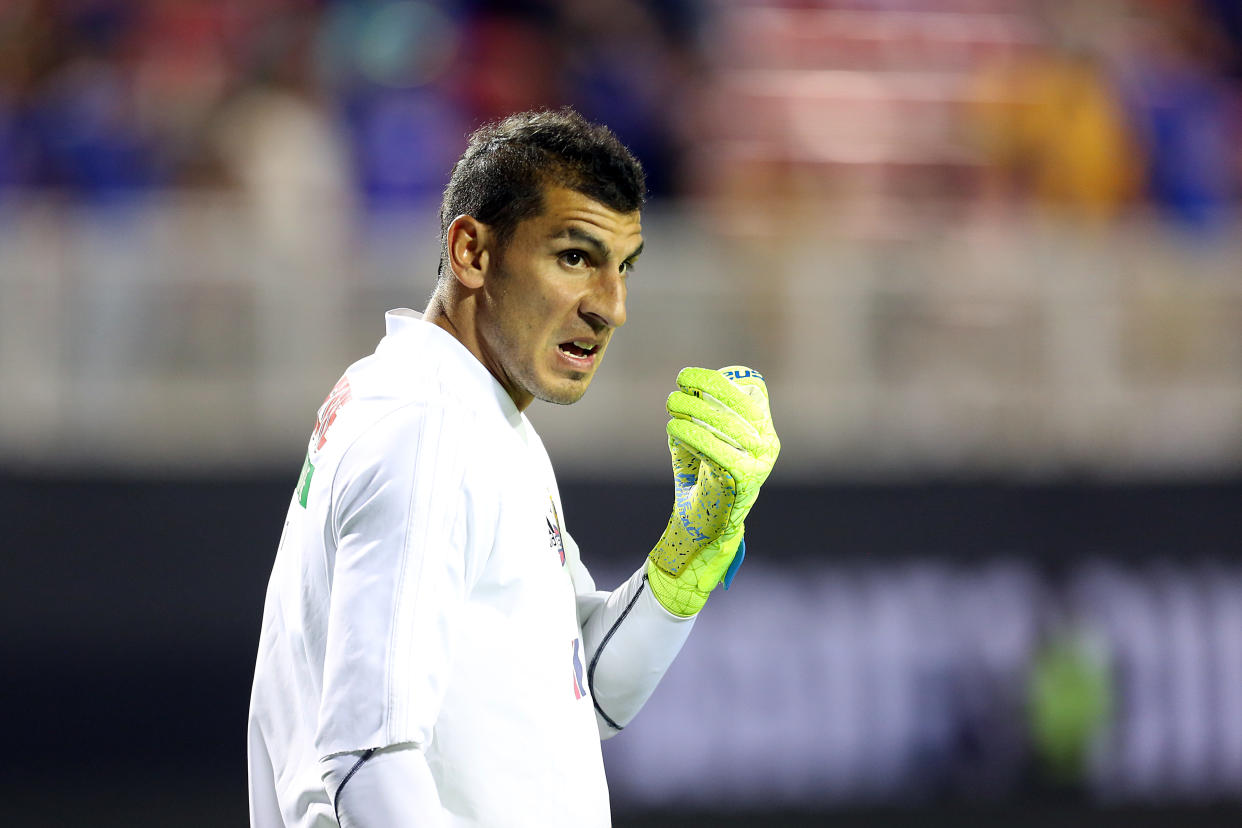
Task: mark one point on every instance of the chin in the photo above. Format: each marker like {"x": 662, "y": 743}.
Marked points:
{"x": 566, "y": 393}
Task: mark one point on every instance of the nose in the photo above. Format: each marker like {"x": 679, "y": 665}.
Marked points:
{"x": 604, "y": 305}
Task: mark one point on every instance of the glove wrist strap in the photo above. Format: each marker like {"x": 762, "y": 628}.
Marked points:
{"x": 675, "y": 595}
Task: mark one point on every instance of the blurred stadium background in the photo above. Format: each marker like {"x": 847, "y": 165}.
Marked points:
{"x": 986, "y": 251}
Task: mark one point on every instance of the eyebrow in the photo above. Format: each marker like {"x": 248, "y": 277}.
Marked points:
{"x": 600, "y": 248}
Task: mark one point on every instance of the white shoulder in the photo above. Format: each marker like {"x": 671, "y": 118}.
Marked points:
{"x": 418, "y": 448}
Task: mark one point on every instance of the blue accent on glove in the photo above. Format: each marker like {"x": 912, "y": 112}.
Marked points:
{"x": 736, "y": 564}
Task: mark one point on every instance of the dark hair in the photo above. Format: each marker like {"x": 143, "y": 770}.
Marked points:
{"x": 500, "y": 177}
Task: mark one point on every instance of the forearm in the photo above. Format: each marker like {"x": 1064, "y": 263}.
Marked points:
{"x": 380, "y": 788}
{"x": 631, "y": 640}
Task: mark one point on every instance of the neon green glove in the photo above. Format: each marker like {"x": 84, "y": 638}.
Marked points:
{"x": 723, "y": 446}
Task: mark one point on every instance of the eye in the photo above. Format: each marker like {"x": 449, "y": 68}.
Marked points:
{"x": 574, "y": 259}
{"x": 626, "y": 267}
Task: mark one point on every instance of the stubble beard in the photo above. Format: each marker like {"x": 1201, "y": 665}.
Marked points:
{"x": 564, "y": 399}
{"x": 527, "y": 377}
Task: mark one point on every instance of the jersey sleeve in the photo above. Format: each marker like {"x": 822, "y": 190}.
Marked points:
{"x": 388, "y": 786}
{"x": 630, "y": 641}
{"x": 404, "y": 521}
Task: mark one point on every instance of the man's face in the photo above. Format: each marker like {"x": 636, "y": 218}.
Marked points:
{"x": 554, "y": 295}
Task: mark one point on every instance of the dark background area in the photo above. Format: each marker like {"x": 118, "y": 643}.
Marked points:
{"x": 133, "y": 605}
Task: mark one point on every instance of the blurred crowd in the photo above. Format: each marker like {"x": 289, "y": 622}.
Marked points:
{"x": 1087, "y": 106}
{"x": 1113, "y": 107}
{"x": 106, "y": 99}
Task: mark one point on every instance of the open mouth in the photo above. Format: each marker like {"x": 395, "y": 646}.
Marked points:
{"x": 578, "y": 348}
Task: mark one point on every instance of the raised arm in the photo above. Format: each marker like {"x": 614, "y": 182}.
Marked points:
{"x": 723, "y": 446}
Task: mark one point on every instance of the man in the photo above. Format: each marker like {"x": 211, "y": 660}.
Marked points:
{"x": 433, "y": 651}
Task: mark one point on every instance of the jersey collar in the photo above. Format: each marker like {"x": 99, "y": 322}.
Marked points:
{"x": 469, "y": 375}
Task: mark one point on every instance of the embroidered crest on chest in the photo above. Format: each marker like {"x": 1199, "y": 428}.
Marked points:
{"x": 555, "y": 541}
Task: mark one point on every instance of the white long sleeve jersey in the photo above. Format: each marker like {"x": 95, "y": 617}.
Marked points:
{"x": 425, "y": 592}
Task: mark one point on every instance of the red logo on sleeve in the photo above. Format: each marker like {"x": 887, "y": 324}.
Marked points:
{"x": 328, "y": 411}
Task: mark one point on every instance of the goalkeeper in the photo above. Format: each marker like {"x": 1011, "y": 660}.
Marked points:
{"x": 433, "y": 650}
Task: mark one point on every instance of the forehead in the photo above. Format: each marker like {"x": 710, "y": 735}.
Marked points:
{"x": 564, "y": 208}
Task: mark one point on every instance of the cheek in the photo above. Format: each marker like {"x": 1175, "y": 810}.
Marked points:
{"x": 548, "y": 310}
{"x": 539, "y": 309}
{"x": 529, "y": 322}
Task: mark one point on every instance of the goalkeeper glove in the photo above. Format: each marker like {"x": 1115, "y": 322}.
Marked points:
{"x": 723, "y": 446}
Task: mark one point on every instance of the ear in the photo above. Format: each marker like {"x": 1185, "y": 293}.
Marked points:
{"x": 468, "y": 250}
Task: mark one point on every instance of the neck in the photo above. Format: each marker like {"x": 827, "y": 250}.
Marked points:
{"x": 438, "y": 313}
{"x": 455, "y": 310}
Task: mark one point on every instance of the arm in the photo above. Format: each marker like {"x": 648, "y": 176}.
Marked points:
{"x": 723, "y": 446}
{"x": 630, "y": 640}
{"x": 400, "y": 575}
